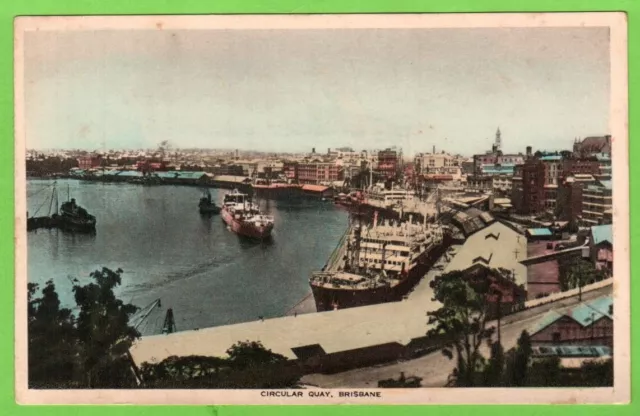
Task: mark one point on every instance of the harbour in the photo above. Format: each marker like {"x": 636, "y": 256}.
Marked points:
{"x": 207, "y": 274}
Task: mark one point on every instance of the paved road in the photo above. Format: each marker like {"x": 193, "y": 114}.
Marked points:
{"x": 434, "y": 368}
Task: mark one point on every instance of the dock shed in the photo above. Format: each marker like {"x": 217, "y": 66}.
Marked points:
{"x": 539, "y": 234}
{"x": 317, "y": 190}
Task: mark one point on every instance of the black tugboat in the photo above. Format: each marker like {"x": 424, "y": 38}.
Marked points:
{"x": 74, "y": 217}
{"x": 206, "y": 205}
{"x": 70, "y": 217}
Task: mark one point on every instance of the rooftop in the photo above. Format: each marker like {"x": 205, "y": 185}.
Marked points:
{"x": 539, "y": 232}
{"x": 602, "y": 233}
{"x": 334, "y": 331}
{"x": 550, "y": 158}
{"x": 496, "y": 246}
{"x": 314, "y": 188}
{"x": 584, "y": 314}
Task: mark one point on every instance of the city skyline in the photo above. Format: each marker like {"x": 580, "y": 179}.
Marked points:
{"x": 325, "y": 89}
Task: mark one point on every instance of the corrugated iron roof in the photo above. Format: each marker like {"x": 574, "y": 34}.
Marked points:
{"x": 546, "y": 320}
{"x": 502, "y": 246}
{"x": 314, "y": 188}
{"x": 584, "y": 314}
{"x": 130, "y": 174}
{"x": 551, "y": 158}
{"x": 539, "y": 232}
{"x": 602, "y": 233}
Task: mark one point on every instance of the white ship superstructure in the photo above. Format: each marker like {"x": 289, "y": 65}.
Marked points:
{"x": 394, "y": 247}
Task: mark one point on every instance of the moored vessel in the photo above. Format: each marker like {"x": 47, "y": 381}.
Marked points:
{"x": 378, "y": 263}
{"x": 206, "y": 204}
{"x": 74, "y": 217}
{"x": 244, "y": 217}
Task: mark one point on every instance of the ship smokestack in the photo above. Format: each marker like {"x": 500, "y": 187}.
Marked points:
{"x": 375, "y": 219}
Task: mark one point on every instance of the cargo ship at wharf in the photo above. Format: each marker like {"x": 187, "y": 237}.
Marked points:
{"x": 377, "y": 263}
{"x": 244, "y": 218}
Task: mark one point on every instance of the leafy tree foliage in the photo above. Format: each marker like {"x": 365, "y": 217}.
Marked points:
{"x": 462, "y": 321}
{"x": 494, "y": 371}
{"x": 83, "y": 351}
{"x": 249, "y": 365}
{"x": 50, "y": 165}
{"x": 519, "y": 361}
{"x": 102, "y": 325}
{"x": 52, "y": 344}
{"x": 576, "y": 272}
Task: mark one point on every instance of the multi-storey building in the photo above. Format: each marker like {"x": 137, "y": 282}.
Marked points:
{"x": 569, "y": 199}
{"x": 503, "y": 183}
{"x": 596, "y": 202}
{"x": 495, "y": 158}
{"x": 604, "y": 166}
{"x": 438, "y": 165}
{"x": 479, "y": 183}
{"x": 580, "y": 166}
{"x": 528, "y": 192}
{"x": 318, "y": 172}
{"x": 290, "y": 170}
{"x": 388, "y": 163}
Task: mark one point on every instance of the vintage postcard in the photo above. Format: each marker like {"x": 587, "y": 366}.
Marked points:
{"x": 322, "y": 209}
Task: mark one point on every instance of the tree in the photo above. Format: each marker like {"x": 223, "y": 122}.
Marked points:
{"x": 545, "y": 372}
{"x": 249, "y": 365}
{"x": 84, "y": 351}
{"x": 461, "y": 321}
{"x": 596, "y": 374}
{"x": 52, "y": 345}
{"x": 103, "y": 326}
{"x": 494, "y": 371}
{"x": 245, "y": 354}
{"x": 576, "y": 272}
{"x": 518, "y": 361}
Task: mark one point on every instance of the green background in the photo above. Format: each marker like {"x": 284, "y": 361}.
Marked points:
{"x": 9, "y": 9}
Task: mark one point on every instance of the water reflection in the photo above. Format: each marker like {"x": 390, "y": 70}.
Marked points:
{"x": 205, "y": 272}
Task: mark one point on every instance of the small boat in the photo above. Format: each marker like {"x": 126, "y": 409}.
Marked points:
{"x": 74, "y": 217}
{"x": 206, "y": 205}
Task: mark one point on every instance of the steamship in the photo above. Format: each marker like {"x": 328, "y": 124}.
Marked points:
{"x": 378, "y": 263}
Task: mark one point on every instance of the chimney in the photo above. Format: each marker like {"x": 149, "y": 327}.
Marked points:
{"x": 313, "y": 150}
{"x": 434, "y": 149}
{"x": 528, "y": 152}
{"x": 328, "y": 150}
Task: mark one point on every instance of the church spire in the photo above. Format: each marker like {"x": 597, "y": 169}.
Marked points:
{"x": 498, "y": 139}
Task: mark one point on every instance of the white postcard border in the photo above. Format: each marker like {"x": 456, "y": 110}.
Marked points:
{"x": 617, "y": 23}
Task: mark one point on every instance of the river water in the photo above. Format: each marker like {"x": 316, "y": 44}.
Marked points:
{"x": 168, "y": 251}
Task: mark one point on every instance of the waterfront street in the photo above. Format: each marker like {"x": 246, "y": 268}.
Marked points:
{"x": 434, "y": 368}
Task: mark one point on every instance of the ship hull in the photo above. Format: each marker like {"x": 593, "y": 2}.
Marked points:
{"x": 327, "y": 298}
{"x": 74, "y": 224}
{"x": 209, "y": 209}
{"x": 244, "y": 229}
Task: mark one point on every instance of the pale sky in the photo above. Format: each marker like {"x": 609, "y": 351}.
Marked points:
{"x": 277, "y": 90}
